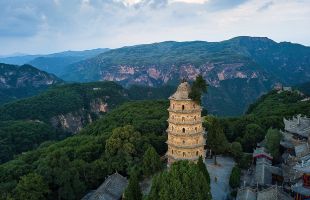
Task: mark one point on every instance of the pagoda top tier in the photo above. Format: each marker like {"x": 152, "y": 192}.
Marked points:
{"x": 182, "y": 92}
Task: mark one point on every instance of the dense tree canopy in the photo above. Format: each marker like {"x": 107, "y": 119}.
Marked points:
{"x": 81, "y": 162}
{"x": 20, "y": 136}
{"x": 31, "y": 187}
{"x": 183, "y": 181}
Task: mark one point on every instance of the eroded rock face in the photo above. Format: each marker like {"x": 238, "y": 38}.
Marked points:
{"x": 213, "y": 73}
{"x": 70, "y": 122}
{"x": 73, "y": 122}
{"x": 98, "y": 106}
{"x": 12, "y": 76}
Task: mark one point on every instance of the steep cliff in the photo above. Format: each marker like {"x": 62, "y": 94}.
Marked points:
{"x": 68, "y": 107}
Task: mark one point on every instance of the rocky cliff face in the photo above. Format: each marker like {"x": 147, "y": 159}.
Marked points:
{"x": 213, "y": 73}
{"x": 12, "y": 76}
{"x": 23, "y": 81}
{"x": 239, "y": 61}
{"x": 73, "y": 122}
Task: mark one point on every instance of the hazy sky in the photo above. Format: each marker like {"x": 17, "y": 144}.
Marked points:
{"x": 44, "y": 26}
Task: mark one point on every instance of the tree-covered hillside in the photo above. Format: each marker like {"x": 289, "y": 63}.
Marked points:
{"x": 21, "y": 136}
{"x": 118, "y": 140}
{"x": 54, "y": 114}
{"x": 81, "y": 162}
{"x": 64, "y": 110}
{"x": 64, "y": 99}
{"x": 267, "y": 112}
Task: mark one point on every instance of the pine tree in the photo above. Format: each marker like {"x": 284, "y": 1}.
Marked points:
{"x": 217, "y": 140}
{"x": 202, "y": 167}
{"x": 234, "y": 180}
{"x": 151, "y": 162}
{"x": 133, "y": 190}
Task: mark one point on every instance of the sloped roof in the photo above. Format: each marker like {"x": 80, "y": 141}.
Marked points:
{"x": 112, "y": 189}
{"x": 182, "y": 92}
{"x": 273, "y": 193}
{"x": 299, "y": 125}
{"x": 246, "y": 193}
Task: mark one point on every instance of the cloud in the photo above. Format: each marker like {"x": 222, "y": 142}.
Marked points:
{"x": 44, "y": 26}
{"x": 265, "y": 6}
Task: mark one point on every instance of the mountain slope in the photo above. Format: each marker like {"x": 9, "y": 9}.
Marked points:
{"x": 67, "y": 107}
{"x": 56, "y": 63}
{"x": 53, "y": 63}
{"x": 259, "y": 61}
{"x": 81, "y": 160}
{"x": 23, "y": 81}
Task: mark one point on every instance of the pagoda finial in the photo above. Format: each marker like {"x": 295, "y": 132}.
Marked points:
{"x": 184, "y": 79}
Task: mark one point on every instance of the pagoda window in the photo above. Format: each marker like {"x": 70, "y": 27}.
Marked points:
{"x": 183, "y": 107}
{"x": 184, "y": 154}
{"x": 171, "y": 151}
{"x": 194, "y": 118}
{"x": 183, "y": 119}
{"x": 196, "y": 129}
{"x": 183, "y": 141}
{"x": 183, "y": 130}
{"x": 197, "y": 153}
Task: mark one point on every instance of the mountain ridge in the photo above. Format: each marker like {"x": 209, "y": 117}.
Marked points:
{"x": 166, "y": 63}
{"x": 23, "y": 81}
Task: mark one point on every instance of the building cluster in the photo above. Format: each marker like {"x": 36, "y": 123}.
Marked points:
{"x": 291, "y": 177}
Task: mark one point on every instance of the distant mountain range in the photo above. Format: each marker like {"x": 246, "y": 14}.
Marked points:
{"x": 238, "y": 70}
{"x": 23, "y": 81}
{"x": 53, "y": 63}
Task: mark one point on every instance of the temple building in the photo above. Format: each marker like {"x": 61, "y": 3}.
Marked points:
{"x": 111, "y": 189}
{"x": 299, "y": 126}
{"x": 301, "y": 189}
{"x": 186, "y": 139}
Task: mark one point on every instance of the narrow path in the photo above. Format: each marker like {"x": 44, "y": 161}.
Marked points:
{"x": 220, "y": 189}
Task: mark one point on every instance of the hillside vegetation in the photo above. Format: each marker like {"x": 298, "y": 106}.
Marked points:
{"x": 267, "y": 112}
{"x": 82, "y": 161}
{"x": 117, "y": 141}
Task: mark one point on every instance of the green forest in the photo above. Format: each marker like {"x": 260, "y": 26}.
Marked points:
{"x": 130, "y": 139}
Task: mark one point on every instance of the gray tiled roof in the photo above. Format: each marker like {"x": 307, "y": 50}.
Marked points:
{"x": 298, "y": 125}
{"x": 273, "y": 193}
{"x": 112, "y": 189}
{"x": 246, "y": 193}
